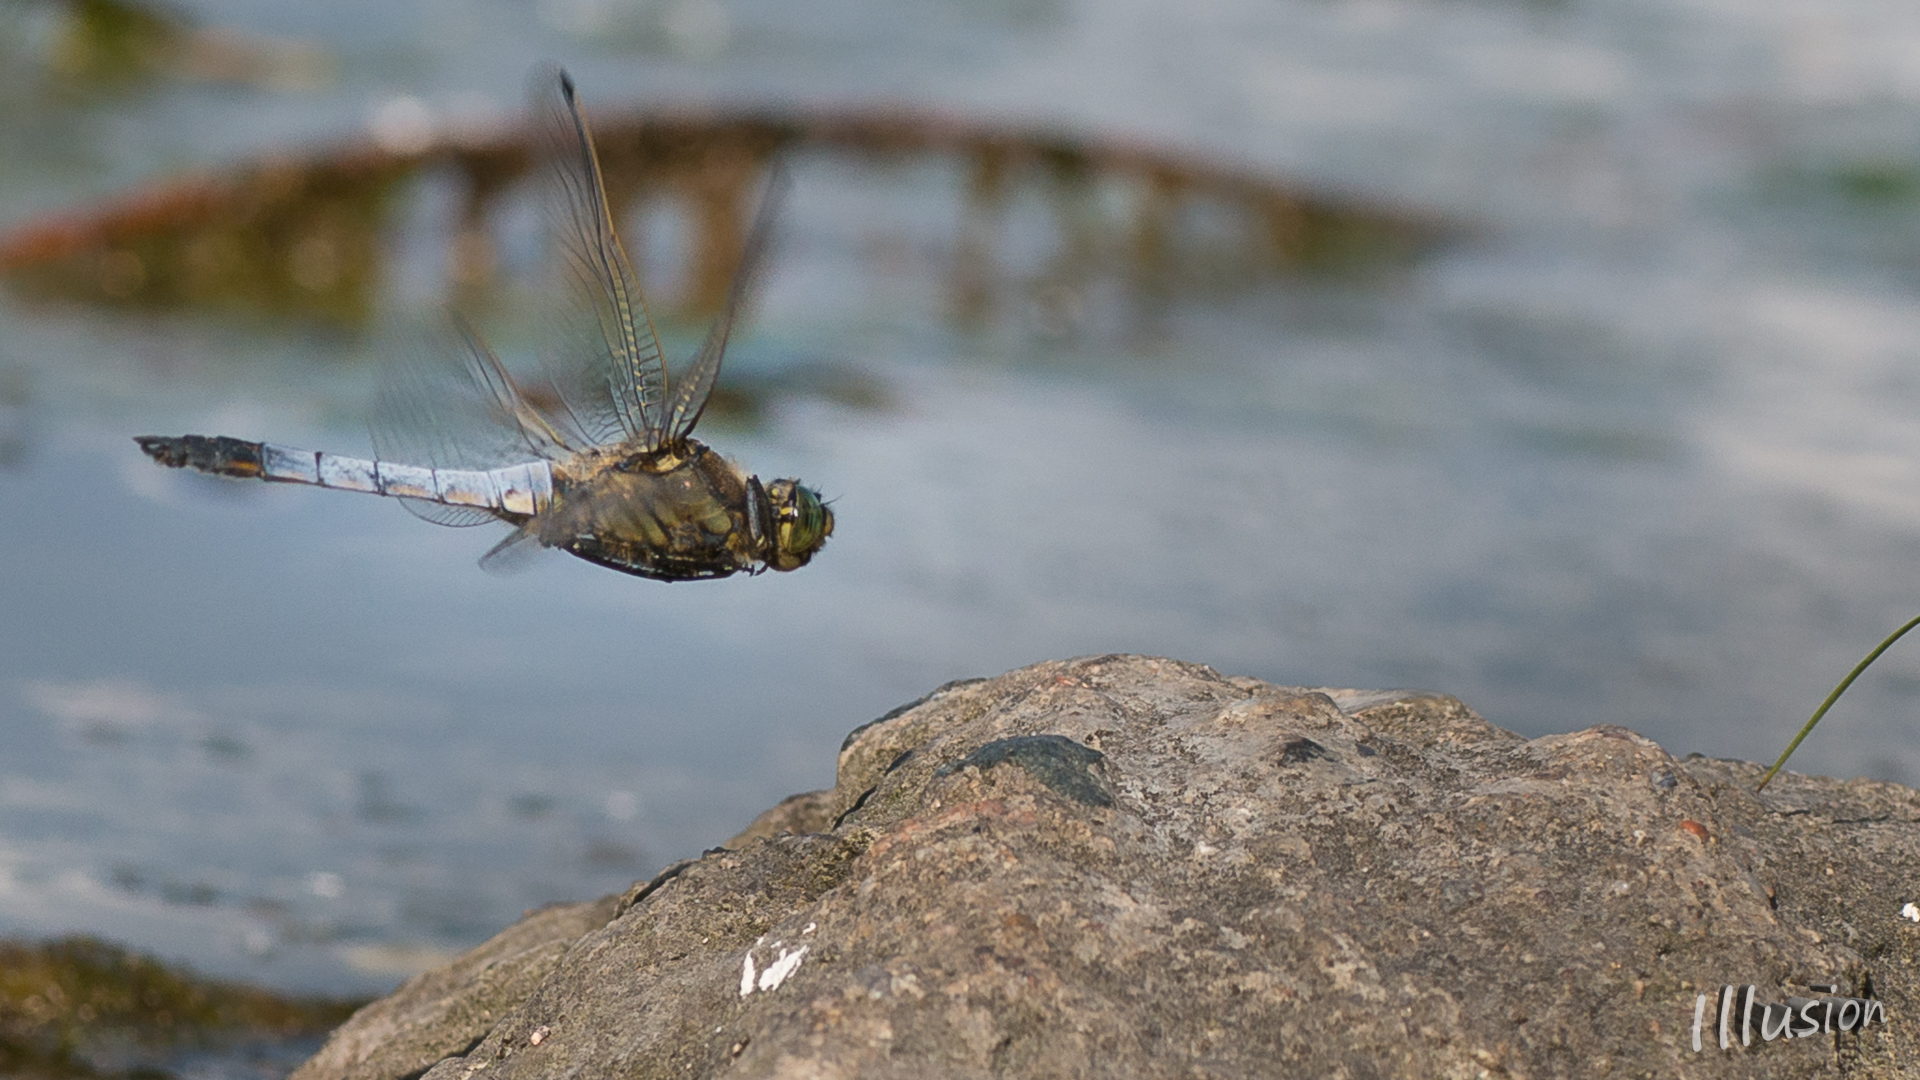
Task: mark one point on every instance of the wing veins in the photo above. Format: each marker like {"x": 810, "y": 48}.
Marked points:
{"x": 537, "y": 431}
{"x": 697, "y": 387}
{"x": 636, "y": 376}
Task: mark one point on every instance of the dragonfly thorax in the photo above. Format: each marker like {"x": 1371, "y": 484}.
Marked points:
{"x": 680, "y": 515}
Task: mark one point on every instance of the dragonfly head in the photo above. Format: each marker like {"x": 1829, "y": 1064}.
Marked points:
{"x": 801, "y": 523}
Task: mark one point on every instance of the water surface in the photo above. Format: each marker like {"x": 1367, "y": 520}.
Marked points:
{"x": 1640, "y": 447}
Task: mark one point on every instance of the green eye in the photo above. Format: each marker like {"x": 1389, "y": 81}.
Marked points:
{"x": 802, "y": 524}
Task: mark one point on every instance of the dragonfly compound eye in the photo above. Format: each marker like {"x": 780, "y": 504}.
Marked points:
{"x": 802, "y": 524}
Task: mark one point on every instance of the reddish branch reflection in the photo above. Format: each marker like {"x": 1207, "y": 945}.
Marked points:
{"x": 307, "y": 237}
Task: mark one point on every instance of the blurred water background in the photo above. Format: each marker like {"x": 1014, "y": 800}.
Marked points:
{"x": 1637, "y": 441}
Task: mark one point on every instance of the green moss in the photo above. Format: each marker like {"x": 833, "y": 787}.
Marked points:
{"x": 117, "y": 41}
{"x": 1878, "y": 182}
{"x": 69, "y": 1006}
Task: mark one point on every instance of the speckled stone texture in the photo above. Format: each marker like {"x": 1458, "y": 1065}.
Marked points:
{"x": 1122, "y": 866}
{"x": 447, "y": 1010}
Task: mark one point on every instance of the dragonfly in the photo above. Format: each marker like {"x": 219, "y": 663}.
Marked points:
{"x": 599, "y": 460}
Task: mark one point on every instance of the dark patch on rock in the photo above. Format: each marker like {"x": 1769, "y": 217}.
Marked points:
{"x": 641, "y": 890}
{"x": 858, "y": 802}
{"x": 1071, "y": 770}
{"x": 809, "y": 811}
{"x": 1458, "y": 902}
{"x": 901, "y": 710}
{"x": 1297, "y": 751}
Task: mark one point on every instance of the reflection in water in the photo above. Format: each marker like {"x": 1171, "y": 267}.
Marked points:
{"x": 82, "y": 1008}
{"x": 309, "y": 238}
{"x": 90, "y": 45}
{"x": 743, "y": 399}
{"x": 14, "y": 436}
{"x": 277, "y": 239}
{"x": 381, "y": 804}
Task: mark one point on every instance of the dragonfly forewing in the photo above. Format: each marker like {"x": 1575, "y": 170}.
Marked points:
{"x": 689, "y": 398}
{"x": 608, "y": 325}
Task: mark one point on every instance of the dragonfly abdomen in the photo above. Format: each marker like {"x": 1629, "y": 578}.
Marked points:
{"x": 515, "y": 491}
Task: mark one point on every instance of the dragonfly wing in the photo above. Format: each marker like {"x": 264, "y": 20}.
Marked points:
{"x": 609, "y": 336}
{"x": 689, "y": 398}
{"x": 459, "y": 517}
{"x": 514, "y": 554}
{"x": 442, "y": 406}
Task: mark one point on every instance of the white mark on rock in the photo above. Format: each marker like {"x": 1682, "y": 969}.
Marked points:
{"x": 778, "y": 971}
{"x": 1910, "y": 912}
{"x": 812, "y": 926}
{"x": 539, "y": 1035}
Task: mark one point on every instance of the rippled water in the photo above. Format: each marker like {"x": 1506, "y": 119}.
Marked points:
{"x": 1641, "y": 447}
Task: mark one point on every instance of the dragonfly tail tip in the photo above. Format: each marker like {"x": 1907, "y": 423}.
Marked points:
{"x": 166, "y": 451}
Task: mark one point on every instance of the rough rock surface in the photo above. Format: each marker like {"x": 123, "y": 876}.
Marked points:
{"x": 445, "y": 1011}
{"x": 1122, "y": 866}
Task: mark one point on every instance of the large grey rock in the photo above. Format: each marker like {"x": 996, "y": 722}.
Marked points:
{"x": 447, "y": 1010}
{"x": 1123, "y": 866}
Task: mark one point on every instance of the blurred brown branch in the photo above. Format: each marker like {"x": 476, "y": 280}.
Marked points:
{"x": 304, "y": 236}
